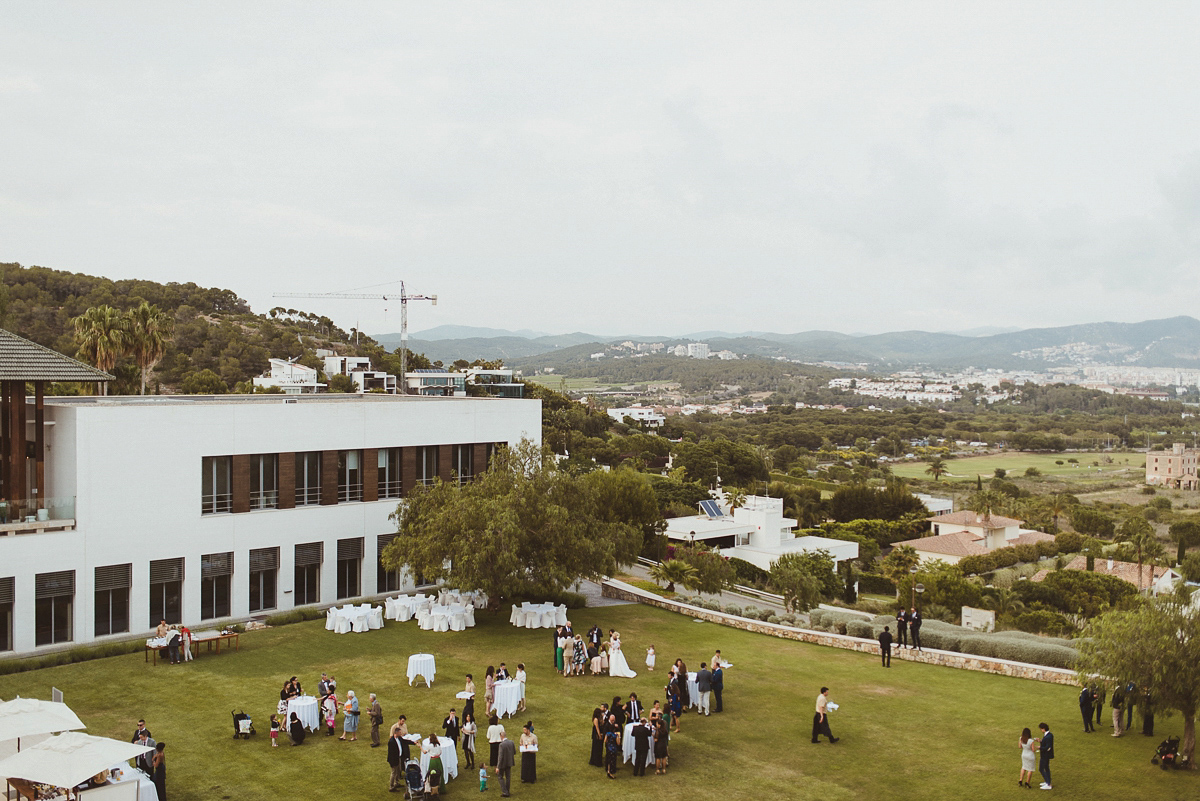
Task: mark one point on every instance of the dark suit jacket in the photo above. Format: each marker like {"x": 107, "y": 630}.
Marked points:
{"x": 641, "y": 737}
{"x": 452, "y": 726}
{"x": 633, "y": 708}
{"x": 1046, "y": 749}
{"x": 397, "y": 751}
{"x": 885, "y": 641}
{"x": 718, "y": 679}
{"x": 703, "y": 680}
{"x": 138, "y": 734}
{"x": 507, "y": 754}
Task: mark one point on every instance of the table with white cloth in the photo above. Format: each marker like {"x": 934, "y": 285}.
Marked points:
{"x": 146, "y": 790}
{"x": 360, "y": 619}
{"x": 406, "y": 607}
{"x": 627, "y": 743}
{"x": 508, "y": 697}
{"x": 693, "y": 689}
{"x": 449, "y": 758}
{"x": 308, "y": 709}
{"x": 422, "y": 665}
{"x": 538, "y": 616}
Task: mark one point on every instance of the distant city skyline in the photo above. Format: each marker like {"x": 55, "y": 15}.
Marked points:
{"x": 664, "y": 168}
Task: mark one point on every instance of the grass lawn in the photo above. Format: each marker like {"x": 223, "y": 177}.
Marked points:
{"x": 912, "y": 732}
{"x": 1015, "y": 463}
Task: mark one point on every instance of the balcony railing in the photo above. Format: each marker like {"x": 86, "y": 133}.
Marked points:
{"x": 26, "y": 515}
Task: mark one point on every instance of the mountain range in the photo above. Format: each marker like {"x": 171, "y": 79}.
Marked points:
{"x": 1171, "y": 342}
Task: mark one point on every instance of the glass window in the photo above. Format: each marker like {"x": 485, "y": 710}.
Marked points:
{"x": 308, "y": 478}
{"x": 264, "y": 578}
{"x": 166, "y": 591}
{"x": 264, "y": 481}
{"x": 389, "y": 473}
{"x": 350, "y": 475}
{"x": 307, "y": 587}
{"x": 349, "y": 568}
{"x": 464, "y": 462}
{"x": 427, "y": 464}
{"x": 54, "y": 607}
{"x": 7, "y": 592}
{"x": 216, "y": 573}
{"x": 385, "y": 580}
{"x": 216, "y": 494}
{"x": 112, "y": 598}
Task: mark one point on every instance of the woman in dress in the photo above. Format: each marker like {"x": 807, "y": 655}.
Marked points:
{"x": 350, "y": 718}
{"x": 296, "y": 730}
{"x": 603, "y": 658}
{"x": 674, "y": 704}
{"x": 612, "y": 749}
{"x": 580, "y": 657}
{"x": 284, "y": 697}
{"x": 493, "y": 734}
{"x": 1028, "y": 758}
{"x": 489, "y": 690}
{"x": 159, "y": 761}
{"x": 661, "y": 736}
{"x": 528, "y": 758}
{"x": 469, "y": 703}
{"x": 468, "y": 732}
{"x": 681, "y": 673}
{"x": 617, "y": 666}
{"x": 617, "y": 710}
{"x": 599, "y": 715}
{"x": 433, "y": 749}
{"x": 559, "y": 636}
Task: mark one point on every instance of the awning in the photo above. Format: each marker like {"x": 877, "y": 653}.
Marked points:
{"x": 24, "y": 717}
{"x": 69, "y": 759}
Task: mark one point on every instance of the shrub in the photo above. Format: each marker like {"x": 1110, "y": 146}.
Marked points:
{"x": 648, "y": 586}
{"x": 774, "y": 619}
{"x": 1041, "y": 621}
{"x": 748, "y": 574}
{"x": 1047, "y": 548}
{"x": 942, "y": 639}
{"x": 750, "y": 612}
{"x": 295, "y": 616}
{"x": 979, "y": 645}
{"x": 733, "y": 609}
{"x": 1149, "y": 491}
{"x": 1161, "y": 503}
{"x": 1027, "y": 552}
{"x": 884, "y": 620}
{"x": 1069, "y": 541}
{"x": 860, "y": 628}
{"x": 873, "y": 582}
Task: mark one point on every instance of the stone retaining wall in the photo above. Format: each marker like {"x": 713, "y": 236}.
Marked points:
{"x": 613, "y": 588}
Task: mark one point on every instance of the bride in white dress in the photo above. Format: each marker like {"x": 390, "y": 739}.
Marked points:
{"x": 617, "y": 666}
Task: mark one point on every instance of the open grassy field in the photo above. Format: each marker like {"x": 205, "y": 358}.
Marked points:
{"x": 911, "y": 732}
{"x": 1125, "y": 466}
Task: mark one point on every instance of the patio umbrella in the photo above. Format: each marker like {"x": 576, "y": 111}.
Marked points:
{"x": 25, "y": 717}
{"x": 69, "y": 759}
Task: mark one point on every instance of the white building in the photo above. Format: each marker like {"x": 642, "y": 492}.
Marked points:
{"x": 697, "y": 350}
{"x": 936, "y": 505}
{"x": 209, "y": 509}
{"x": 640, "y": 414}
{"x": 359, "y": 369}
{"x": 292, "y": 378}
{"x": 756, "y": 531}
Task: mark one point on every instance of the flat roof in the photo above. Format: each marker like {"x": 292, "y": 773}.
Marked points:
{"x": 260, "y": 398}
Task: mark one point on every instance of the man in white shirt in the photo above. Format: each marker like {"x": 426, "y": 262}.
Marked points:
{"x": 821, "y": 718}
{"x": 520, "y": 677}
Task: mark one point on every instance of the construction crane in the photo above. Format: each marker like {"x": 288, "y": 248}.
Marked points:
{"x": 403, "y": 297}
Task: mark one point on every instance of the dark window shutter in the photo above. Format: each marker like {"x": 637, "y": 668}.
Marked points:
{"x": 264, "y": 559}
{"x": 350, "y": 549}
{"x": 53, "y": 585}
{"x": 114, "y": 577}
{"x": 165, "y": 570}
{"x": 309, "y": 553}
{"x": 384, "y": 541}
{"x": 8, "y": 591}
{"x": 216, "y": 564}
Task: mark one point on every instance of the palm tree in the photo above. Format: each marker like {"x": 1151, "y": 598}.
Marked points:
{"x": 937, "y": 468}
{"x": 1004, "y": 602}
{"x": 1056, "y": 505}
{"x": 1140, "y": 536}
{"x": 736, "y": 498}
{"x": 150, "y": 328}
{"x": 673, "y": 571}
{"x": 101, "y": 333}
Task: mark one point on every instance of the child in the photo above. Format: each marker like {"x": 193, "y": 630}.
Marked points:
{"x": 331, "y": 708}
{"x": 650, "y": 658}
{"x": 482, "y": 779}
{"x": 275, "y": 731}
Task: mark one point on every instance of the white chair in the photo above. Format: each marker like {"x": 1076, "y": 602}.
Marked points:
{"x": 359, "y": 622}
{"x": 533, "y": 620}
{"x": 518, "y": 616}
{"x": 330, "y": 619}
{"x": 458, "y": 621}
{"x": 342, "y": 625}
{"x": 560, "y": 617}
{"x": 469, "y": 616}
{"x": 375, "y": 618}
{"x": 425, "y": 620}
{"x": 441, "y": 621}
{"x": 404, "y": 611}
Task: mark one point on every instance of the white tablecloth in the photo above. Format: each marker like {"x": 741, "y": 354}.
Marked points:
{"x": 538, "y": 616}
{"x": 406, "y": 607}
{"x": 449, "y": 758}
{"x": 627, "y": 744}
{"x": 307, "y": 709}
{"x": 146, "y": 791}
{"x": 344, "y": 619}
{"x": 693, "y": 689}
{"x": 508, "y": 695}
{"x": 421, "y": 665}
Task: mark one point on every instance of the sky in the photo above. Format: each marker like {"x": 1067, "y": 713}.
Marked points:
{"x": 618, "y": 168}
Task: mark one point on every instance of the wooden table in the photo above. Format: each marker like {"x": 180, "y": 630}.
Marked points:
{"x": 209, "y": 637}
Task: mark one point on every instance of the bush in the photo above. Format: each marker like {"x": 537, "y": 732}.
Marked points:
{"x": 774, "y": 619}
{"x": 1069, "y": 541}
{"x": 733, "y": 609}
{"x": 1149, "y": 491}
{"x": 942, "y": 639}
{"x": 873, "y": 582}
{"x": 1163, "y": 504}
{"x": 1045, "y": 548}
{"x": 751, "y": 612}
{"x": 860, "y": 628}
{"x": 648, "y": 586}
{"x": 748, "y": 574}
{"x": 83, "y": 653}
{"x": 1041, "y": 621}
{"x": 1027, "y": 552}
{"x": 295, "y": 616}
{"x": 979, "y": 645}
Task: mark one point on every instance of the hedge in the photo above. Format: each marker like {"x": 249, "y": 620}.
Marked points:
{"x": 873, "y": 582}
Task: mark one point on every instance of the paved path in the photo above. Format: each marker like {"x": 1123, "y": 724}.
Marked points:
{"x": 643, "y": 572}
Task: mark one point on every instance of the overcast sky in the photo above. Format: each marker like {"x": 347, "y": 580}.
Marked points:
{"x": 651, "y": 167}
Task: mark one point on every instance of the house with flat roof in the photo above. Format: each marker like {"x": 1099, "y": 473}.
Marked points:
{"x": 290, "y": 377}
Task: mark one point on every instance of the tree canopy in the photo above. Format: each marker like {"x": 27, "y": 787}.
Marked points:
{"x": 523, "y": 527}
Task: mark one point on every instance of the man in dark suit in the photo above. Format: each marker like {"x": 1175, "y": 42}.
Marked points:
{"x": 901, "y": 628}
{"x": 594, "y": 636}
{"x": 505, "y": 759}
{"x": 914, "y": 626}
{"x": 718, "y": 686}
{"x": 1099, "y": 694}
{"x": 397, "y": 757}
{"x": 1131, "y": 695}
{"x": 451, "y": 725}
{"x": 885, "y": 646}
{"x": 634, "y": 707}
{"x": 1045, "y": 754}
{"x": 137, "y": 733}
{"x": 502, "y": 673}
{"x": 1085, "y": 708}
{"x": 641, "y": 746}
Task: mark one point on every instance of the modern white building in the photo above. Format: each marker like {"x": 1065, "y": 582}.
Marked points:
{"x": 365, "y": 378}
{"x": 756, "y": 531}
{"x": 698, "y": 350}
{"x": 292, "y": 378}
{"x": 639, "y": 414}
{"x": 208, "y": 509}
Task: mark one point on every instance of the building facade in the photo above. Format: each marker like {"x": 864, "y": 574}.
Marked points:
{"x": 202, "y": 510}
{"x": 1175, "y": 468}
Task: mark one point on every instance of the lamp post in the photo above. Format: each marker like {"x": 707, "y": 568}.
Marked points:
{"x": 916, "y": 587}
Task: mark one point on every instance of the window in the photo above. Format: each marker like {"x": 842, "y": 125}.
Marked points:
{"x": 427, "y": 464}
{"x": 216, "y": 494}
{"x": 350, "y": 476}
{"x": 349, "y": 568}
{"x": 308, "y": 478}
{"x": 385, "y": 580}
{"x": 264, "y": 576}
{"x": 7, "y": 596}
{"x": 112, "y": 598}
{"x": 389, "y": 473}
{"x": 216, "y": 573}
{"x": 464, "y": 462}
{"x": 166, "y": 591}
{"x": 307, "y": 589}
{"x": 264, "y": 481}
{"x": 54, "y": 602}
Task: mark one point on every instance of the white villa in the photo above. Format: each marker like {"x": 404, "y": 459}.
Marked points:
{"x": 967, "y": 533}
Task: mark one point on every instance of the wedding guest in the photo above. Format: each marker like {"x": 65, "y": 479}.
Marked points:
{"x": 489, "y": 690}
{"x": 528, "y": 758}
{"x": 495, "y": 734}
{"x": 579, "y": 658}
{"x": 433, "y": 749}
{"x": 599, "y": 720}
{"x": 520, "y": 678}
{"x": 330, "y": 708}
{"x": 160, "y": 771}
{"x": 275, "y": 726}
{"x": 468, "y": 732}
{"x": 296, "y": 730}
{"x": 612, "y": 747}
{"x": 350, "y": 717}
{"x": 661, "y": 737}
{"x": 650, "y": 657}
{"x": 469, "y": 704}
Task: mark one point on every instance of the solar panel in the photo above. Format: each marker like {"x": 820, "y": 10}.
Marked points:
{"x": 711, "y": 508}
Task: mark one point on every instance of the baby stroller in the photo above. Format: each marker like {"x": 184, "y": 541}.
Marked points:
{"x": 414, "y": 781}
{"x": 1167, "y": 753}
{"x": 242, "y": 726}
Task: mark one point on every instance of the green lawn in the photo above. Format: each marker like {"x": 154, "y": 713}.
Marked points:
{"x": 1015, "y": 463}
{"x": 912, "y": 732}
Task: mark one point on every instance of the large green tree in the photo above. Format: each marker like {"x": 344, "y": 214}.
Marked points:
{"x": 796, "y": 575}
{"x": 149, "y": 332}
{"x": 522, "y": 528}
{"x": 1185, "y": 534}
{"x": 1157, "y": 647}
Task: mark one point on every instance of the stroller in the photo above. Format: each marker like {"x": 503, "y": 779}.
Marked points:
{"x": 242, "y": 726}
{"x": 414, "y": 781}
{"x": 1167, "y": 753}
